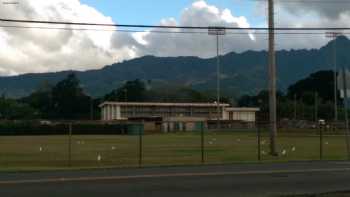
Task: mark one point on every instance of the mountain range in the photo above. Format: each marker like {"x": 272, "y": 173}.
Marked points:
{"x": 242, "y": 73}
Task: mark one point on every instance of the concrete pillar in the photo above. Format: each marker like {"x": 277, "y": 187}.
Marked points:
{"x": 119, "y": 116}
{"x": 107, "y": 112}
{"x": 104, "y": 113}
{"x": 165, "y": 127}
{"x": 113, "y": 112}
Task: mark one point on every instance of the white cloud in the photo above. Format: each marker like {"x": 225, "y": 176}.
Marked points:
{"x": 39, "y": 50}
{"x": 323, "y": 8}
{"x": 309, "y": 15}
{"x": 198, "y": 14}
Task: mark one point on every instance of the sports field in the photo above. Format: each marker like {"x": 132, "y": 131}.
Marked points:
{"x": 80, "y": 151}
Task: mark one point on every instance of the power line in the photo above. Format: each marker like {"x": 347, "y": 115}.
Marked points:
{"x": 175, "y": 27}
{"x": 161, "y": 32}
{"x": 95, "y": 29}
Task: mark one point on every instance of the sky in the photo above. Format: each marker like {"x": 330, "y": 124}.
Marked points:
{"x": 32, "y": 50}
{"x": 121, "y": 10}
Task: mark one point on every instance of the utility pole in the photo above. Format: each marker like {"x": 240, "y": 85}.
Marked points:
{"x": 217, "y": 31}
{"x": 334, "y": 35}
{"x": 272, "y": 80}
{"x": 345, "y": 88}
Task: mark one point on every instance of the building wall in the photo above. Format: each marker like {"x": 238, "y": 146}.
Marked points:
{"x": 116, "y": 112}
{"x": 247, "y": 116}
{"x": 112, "y": 112}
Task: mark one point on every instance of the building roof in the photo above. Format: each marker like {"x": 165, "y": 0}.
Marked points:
{"x": 164, "y": 104}
{"x": 242, "y": 109}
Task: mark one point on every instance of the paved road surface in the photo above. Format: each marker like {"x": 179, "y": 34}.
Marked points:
{"x": 216, "y": 181}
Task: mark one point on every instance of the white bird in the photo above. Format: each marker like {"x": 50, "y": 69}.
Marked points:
{"x": 284, "y": 152}
{"x": 99, "y": 157}
{"x": 113, "y": 148}
{"x": 293, "y": 149}
{"x": 41, "y": 149}
{"x": 326, "y": 143}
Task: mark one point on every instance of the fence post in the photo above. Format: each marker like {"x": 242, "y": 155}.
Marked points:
{"x": 321, "y": 142}
{"x": 202, "y": 142}
{"x": 259, "y": 141}
{"x": 70, "y": 145}
{"x": 141, "y": 126}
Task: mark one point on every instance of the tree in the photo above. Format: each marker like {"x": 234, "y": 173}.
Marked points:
{"x": 321, "y": 82}
{"x": 131, "y": 91}
{"x": 10, "y": 109}
{"x": 41, "y": 100}
{"x": 69, "y": 100}
{"x": 260, "y": 100}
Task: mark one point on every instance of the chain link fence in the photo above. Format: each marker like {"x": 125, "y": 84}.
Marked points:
{"x": 76, "y": 145}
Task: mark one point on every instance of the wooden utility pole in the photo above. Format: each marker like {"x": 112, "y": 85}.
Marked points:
{"x": 272, "y": 80}
{"x": 345, "y": 88}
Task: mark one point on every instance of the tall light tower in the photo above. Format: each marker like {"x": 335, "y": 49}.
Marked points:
{"x": 334, "y": 35}
{"x": 217, "y": 31}
{"x": 272, "y": 80}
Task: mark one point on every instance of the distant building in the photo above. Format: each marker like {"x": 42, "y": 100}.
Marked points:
{"x": 118, "y": 111}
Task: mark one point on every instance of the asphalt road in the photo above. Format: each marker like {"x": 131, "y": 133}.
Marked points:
{"x": 216, "y": 181}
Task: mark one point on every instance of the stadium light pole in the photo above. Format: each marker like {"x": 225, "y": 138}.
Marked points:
{"x": 217, "y": 31}
{"x": 334, "y": 35}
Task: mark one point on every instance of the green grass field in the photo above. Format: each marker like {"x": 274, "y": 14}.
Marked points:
{"x": 52, "y": 152}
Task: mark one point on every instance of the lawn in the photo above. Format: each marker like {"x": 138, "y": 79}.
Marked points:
{"x": 84, "y": 151}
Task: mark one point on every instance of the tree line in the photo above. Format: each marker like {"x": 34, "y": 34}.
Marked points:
{"x": 311, "y": 99}
{"x": 66, "y": 100}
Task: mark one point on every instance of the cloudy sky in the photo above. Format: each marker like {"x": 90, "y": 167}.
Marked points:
{"x": 28, "y": 50}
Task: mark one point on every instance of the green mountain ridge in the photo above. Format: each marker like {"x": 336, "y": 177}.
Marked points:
{"x": 242, "y": 73}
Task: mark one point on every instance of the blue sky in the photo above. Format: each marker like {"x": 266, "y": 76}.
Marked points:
{"x": 152, "y": 11}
